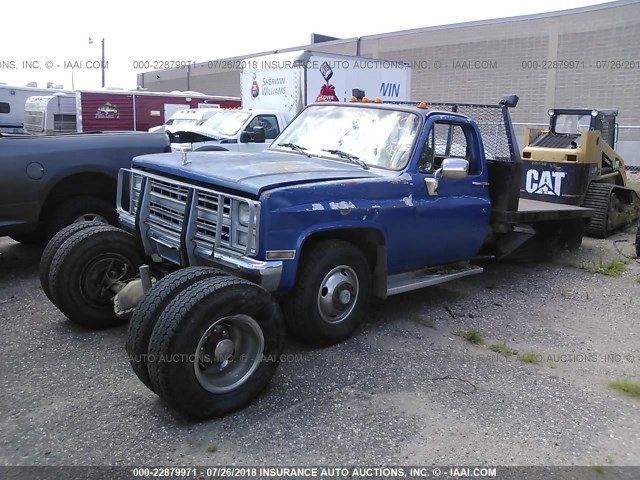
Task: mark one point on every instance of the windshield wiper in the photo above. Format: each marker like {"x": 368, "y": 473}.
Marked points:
{"x": 295, "y": 147}
{"x": 347, "y": 156}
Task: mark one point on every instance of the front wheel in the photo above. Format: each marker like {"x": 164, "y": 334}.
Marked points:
{"x": 215, "y": 346}
{"x": 638, "y": 241}
{"x": 85, "y": 270}
{"x": 332, "y": 293}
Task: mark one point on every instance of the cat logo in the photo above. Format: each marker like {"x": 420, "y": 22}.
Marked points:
{"x": 545, "y": 182}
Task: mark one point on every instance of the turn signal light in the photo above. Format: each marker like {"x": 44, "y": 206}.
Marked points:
{"x": 572, "y": 158}
{"x": 526, "y": 154}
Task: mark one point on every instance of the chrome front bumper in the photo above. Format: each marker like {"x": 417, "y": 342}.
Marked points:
{"x": 265, "y": 273}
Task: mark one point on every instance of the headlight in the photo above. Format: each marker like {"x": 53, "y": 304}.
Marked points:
{"x": 136, "y": 181}
{"x": 244, "y": 213}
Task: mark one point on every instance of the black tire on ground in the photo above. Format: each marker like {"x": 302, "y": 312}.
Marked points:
{"x": 52, "y": 247}
{"x": 638, "y": 241}
{"x": 81, "y": 208}
{"x": 216, "y": 346}
{"x": 84, "y": 268}
{"x": 148, "y": 312}
{"x": 331, "y": 295}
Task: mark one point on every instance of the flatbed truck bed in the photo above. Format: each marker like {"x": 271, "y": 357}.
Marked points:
{"x": 533, "y": 211}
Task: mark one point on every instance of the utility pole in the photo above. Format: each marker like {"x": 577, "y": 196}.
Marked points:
{"x": 102, "y": 64}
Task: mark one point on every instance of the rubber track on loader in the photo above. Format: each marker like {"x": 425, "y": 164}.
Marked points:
{"x": 598, "y": 198}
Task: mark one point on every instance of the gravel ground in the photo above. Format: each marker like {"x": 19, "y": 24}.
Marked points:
{"x": 404, "y": 390}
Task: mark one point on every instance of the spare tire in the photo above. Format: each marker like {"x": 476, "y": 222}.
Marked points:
{"x": 216, "y": 346}
{"x": 86, "y": 267}
{"x": 148, "y": 312}
{"x": 52, "y": 247}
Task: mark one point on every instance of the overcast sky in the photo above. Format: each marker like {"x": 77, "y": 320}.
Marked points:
{"x": 58, "y": 31}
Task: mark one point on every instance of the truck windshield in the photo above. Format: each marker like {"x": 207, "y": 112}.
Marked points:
{"x": 572, "y": 124}
{"x": 378, "y": 137}
{"x": 227, "y": 123}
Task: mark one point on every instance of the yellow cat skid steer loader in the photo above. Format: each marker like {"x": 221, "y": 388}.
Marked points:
{"x": 573, "y": 161}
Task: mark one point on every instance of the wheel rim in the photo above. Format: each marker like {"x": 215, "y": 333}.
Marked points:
{"x": 228, "y": 353}
{"x": 91, "y": 217}
{"x": 338, "y": 294}
{"x": 99, "y": 276}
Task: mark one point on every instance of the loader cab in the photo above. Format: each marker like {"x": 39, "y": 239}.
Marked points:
{"x": 571, "y": 123}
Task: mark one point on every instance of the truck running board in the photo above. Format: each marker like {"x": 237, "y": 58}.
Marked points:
{"x": 405, "y": 282}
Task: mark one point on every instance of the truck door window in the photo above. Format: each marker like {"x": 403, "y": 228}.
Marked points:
{"x": 270, "y": 124}
{"x": 5, "y": 107}
{"x": 447, "y": 140}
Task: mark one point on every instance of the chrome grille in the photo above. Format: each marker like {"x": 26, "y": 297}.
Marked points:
{"x": 209, "y": 218}
{"x": 168, "y": 190}
{"x": 213, "y": 219}
{"x": 167, "y": 204}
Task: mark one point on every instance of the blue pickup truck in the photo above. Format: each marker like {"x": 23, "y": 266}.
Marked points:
{"x": 219, "y": 252}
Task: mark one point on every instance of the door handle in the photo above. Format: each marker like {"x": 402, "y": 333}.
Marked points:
{"x": 481, "y": 184}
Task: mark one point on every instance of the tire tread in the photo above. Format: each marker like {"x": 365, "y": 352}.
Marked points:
{"x": 149, "y": 310}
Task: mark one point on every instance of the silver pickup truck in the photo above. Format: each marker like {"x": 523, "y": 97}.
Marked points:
{"x": 48, "y": 182}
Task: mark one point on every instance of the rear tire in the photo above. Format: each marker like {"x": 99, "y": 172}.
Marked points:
{"x": 84, "y": 269}
{"x": 148, "y": 312}
{"x": 215, "y": 346}
{"x": 81, "y": 209}
{"x": 638, "y": 241}
{"x": 52, "y": 247}
{"x": 331, "y": 295}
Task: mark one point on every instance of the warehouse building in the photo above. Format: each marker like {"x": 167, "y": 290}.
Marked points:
{"x": 585, "y": 57}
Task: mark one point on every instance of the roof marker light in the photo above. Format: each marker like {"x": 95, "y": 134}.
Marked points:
{"x": 365, "y": 99}
{"x": 422, "y": 105}
{"x": 378, "y": 100}
{"x": 353, "y": 99}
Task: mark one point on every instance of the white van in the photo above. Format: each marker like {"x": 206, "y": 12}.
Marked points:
{"x": 190, "y": 117}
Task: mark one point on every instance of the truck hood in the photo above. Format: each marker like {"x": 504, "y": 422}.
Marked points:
{"x": 194, "y": 129}
{"x": 250, "y": 172}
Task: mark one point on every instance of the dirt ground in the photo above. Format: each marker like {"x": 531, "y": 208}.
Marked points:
{"x": 407, "y": 389}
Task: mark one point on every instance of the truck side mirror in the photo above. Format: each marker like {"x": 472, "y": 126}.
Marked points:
{"x": 454, "y": 168}
{"x": 255, "y": 136}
